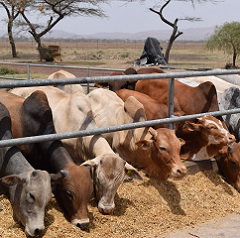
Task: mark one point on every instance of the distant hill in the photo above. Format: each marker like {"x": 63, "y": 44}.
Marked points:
{"x": 191, "y": 34}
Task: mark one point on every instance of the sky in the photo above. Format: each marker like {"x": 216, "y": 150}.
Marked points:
{"x": 136, "y": 17}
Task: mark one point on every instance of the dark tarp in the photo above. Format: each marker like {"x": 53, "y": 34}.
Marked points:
{"x": 152, "y": 52}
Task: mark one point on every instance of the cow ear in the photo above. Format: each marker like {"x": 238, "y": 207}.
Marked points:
{"x": 144, "y": 144}
{"x": 190, "y": 126}
{"x": 12, "y": 180}
{"x": 153, "y": 133}
{"x": 132, "y": 172}
{"x": 92, "y": 162}
{"x": 55, "y": 178}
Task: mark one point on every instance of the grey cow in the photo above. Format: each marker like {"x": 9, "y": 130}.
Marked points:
{"x": 230, "y": 99}
{"x": 27, "y": 189}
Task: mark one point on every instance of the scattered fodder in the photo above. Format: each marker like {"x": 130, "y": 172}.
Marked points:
{"x": 145, "y": 208}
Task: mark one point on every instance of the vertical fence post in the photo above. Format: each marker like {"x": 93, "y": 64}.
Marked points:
{"x": 28, "y": 71}
{"x": 88, "y": 87}
{"x": 170, "y": 101}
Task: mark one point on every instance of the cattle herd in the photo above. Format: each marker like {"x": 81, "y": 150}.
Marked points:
{"x": 93, "y": 167}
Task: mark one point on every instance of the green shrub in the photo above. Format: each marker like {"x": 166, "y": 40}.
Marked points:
{"x": 4, "y": 71}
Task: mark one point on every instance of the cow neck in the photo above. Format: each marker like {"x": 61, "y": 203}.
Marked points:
{"x": 56, "y": 155}
{"x": 13, "y": 162}
{"x": 92, "y": 171}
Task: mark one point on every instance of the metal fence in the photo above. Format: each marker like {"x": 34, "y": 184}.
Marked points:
{"x": 170, "y": 120}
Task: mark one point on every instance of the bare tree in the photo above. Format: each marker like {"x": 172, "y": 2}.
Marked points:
{"x": 175, "y": 31}
{"x": 53, "y": 11}
{"x": 11, "y": 8}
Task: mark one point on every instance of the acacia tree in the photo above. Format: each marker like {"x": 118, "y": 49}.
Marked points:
{"x": 226, "y": 38}
{"x": 174, "y": 25}
{"x": 50, "y": 12}
{"x": 12, "y": 10}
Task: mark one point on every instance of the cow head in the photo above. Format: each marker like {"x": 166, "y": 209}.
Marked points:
{"x": 108, "y": 173}
{"x": 205, "y": 136}
{"x": 163, "y": 152}
{"x": 29, "y": 193}
{"x": 73, "y": 191}
{"x": 228, "y": 161}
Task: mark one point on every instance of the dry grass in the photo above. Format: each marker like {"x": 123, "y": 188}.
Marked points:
{"x": 118, "y": 54}
{"x": 144, "y": 209}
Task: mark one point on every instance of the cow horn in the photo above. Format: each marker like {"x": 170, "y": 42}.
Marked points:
{"x": 64, "y": 173}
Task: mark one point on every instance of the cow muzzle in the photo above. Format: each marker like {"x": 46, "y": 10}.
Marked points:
{"x": 34, "y": 232}
{"x": 83, "y": 224}
{"x": 178, "y": 171}
{"x": 106, "y": 209}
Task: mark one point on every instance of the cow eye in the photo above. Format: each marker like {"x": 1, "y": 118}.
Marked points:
{"x": 31, "y": 197}
{"x": 211, "y": 127}
{"x": 163, "y": 148}
{"x": 69, "y": 194}
{"x": 233, "y": 164}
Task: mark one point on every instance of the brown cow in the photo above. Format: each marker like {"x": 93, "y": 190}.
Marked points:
{"x": 116, "y": 85}
{"x": 153, "y": 109}
{"x": 190, "y": 100}
{"x": 150, "y": 70}
{"x": 229, "y": 164}
{"x": 157, "y": 152}
{"x": 203, "y": 137}
{"x": 31, "y": 117}
{"x": 72, "y": 112}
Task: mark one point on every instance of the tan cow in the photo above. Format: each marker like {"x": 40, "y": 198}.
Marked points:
{"x": 69, "y": 88}
{"x": 157, "y": 152}
{"x": 72, "y": 112}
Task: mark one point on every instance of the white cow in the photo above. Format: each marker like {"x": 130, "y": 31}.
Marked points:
{"x": 72, "y": 112}
{"x": 69, "y": 88}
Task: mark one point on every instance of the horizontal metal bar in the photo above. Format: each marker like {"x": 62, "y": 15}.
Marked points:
{"x": 59, "y": 66}
{"x": 68, "y": 135}
{"x": 42, "y": 82}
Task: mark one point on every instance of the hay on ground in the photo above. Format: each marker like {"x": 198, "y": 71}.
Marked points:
{"x": 145, "y": 208}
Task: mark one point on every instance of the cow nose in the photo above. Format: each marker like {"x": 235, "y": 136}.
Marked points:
{"x": 182, "y": 171}
{"x": 83, "y": 226}
{"x": 231, "y": 138}
{"x": 105, "y": 211}
{"x": 38, "y": 232}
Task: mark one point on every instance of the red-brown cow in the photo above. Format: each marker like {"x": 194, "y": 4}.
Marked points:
{"x": 228, "y": 161}
{"x": 191, "y": 100}
{"x": 153, "y": 109}
{"x": 204, "y": 137}
{"x": 116, "y": 85}
{"x": 31, "y": 117}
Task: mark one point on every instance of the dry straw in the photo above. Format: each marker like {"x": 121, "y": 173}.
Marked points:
{"x": 145, "y": 208}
